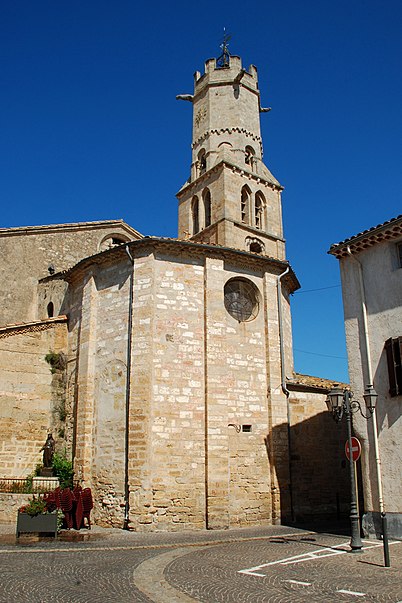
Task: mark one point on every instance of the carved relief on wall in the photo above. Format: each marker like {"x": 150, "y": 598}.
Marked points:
{"x": 200, "y": 116}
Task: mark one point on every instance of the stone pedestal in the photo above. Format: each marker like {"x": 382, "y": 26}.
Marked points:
{"x": 46, "y": 472}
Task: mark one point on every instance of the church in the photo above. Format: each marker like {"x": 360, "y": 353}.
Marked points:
{"x": 164, "y": 367}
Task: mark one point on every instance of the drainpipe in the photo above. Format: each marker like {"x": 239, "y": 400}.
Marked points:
{"x": 128, "y": 390}
{"x": 370, "y": 383}
{"x": 282, "y": 347}
{"x": 283, "y": 382}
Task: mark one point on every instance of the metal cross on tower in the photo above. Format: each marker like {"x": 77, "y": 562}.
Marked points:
{"x": 223, "y": 60}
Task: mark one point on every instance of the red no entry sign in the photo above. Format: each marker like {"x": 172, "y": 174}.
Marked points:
{"x": 356, "y": 449}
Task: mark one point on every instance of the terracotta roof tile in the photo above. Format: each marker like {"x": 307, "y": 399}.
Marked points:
{"x": 314, "y": 382}
{"x": 390, "y": 229}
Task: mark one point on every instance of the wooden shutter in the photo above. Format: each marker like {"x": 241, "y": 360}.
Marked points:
{"x": 393, "y": 349}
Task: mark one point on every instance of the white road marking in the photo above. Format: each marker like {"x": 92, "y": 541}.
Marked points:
{"x": 338, "y": 549}
{"x": 319, "y": 553}
{"x": 299, "y": 582}
{"x": 351, "y": 592}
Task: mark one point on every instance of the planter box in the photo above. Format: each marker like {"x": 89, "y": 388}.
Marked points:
{"x": 46, "y": 523}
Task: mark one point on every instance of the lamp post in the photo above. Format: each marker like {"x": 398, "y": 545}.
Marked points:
{"x": 340, "y": 402}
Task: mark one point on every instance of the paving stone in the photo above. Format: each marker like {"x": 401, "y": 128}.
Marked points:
{"x": 205, "y": 566}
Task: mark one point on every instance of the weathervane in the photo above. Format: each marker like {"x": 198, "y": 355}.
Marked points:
{"x": 223, "y": 60}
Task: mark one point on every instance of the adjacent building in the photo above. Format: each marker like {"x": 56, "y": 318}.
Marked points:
{"x": 371, "y": 271}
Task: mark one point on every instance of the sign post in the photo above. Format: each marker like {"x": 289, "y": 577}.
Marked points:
{"x": 356, "y": 452}
{"x": 356, "y": 449}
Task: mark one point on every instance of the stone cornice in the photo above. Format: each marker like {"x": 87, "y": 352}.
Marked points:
{"x": 178, "y": 248}
{"x": 188, "y": 186}
{"x": 257, "y": 232}
{"x": 71, "y": 227}
{"x": 220, "y": 131}
{"x": 34, "y": 326}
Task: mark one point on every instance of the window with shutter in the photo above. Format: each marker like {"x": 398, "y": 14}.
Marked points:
{"x": 399, "y": 250}
{"x": 393, "y": 349}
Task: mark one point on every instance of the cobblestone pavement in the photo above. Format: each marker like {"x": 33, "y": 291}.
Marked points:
{"x": 274, "y": 564}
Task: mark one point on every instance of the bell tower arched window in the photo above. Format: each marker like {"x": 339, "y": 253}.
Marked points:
{"x": 245, "y": 204}
{"x": 195, "y": 215}
{"x": 259, "y": 204}
{"x": 202, "y": 162}
{"x": 255, "y": 245}
{"x": 250, "y": 157}
{"x": 207, "y": 207}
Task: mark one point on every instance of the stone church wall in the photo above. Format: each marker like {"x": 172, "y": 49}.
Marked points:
{"x": 29, "y": 400}
{"x": 320, "y": 473}
{"x": 205, "y": 394}
{"x": 167, "y": 411}
{"x": 26, "y": 254}
{"x": 98, "y": 340}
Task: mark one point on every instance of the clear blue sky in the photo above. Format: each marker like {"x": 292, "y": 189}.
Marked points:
{"x": 90, "y": 128}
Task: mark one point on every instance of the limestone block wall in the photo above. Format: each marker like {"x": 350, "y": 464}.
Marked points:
{"x": 99, "y": 334}
{"x": 9, "y": 505}
{"x": 209, "y": 378}
{"x": 238, "y": 467}
{"x": 26, "y": 254}
{"x": 319, "y": 470}
{"x": 110, "y": 350}
{"x": 167, "y": 414}
{"x": 28, "y": 404}
{"x": 277, "y": 433}
{"x": 207, "y": 440}
{"x": 51, "y": 295}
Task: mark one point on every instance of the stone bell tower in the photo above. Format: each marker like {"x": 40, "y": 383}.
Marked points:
{"x": 231, "y": 198}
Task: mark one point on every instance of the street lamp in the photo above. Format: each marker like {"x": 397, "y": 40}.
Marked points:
{"x": 340, "y": 403}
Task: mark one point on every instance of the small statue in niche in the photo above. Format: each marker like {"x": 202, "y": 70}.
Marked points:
{"x": 48, "y": 451}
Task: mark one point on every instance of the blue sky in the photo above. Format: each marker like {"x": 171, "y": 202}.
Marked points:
{"x": 90, "y": 128}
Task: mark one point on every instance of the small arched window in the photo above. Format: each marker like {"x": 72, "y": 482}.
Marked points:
{"x": 50, "y": 310}
{"x": 195, "y": 215}
{"x": 112, "y": 240}
{"x": 245, "y": 204}
{"x": 207, "y": 207}
{"x": 259, "y": 204}
{"x": 250, "y": 156}
{"x": 202, "y": 162}
{"x": 255, "y": 247}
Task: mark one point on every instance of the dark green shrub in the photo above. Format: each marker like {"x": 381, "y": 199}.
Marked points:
{"x": 63, "y": 469}
{"x": 57, "y": 361}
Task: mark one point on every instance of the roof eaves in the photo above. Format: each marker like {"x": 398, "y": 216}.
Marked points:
{"x": 35, "y": 325}
{"x": 390, "y": 229}
{"x": 308, "y": 383}
{"x": 22, "y": 230}
{"x": 226, "y": 252}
